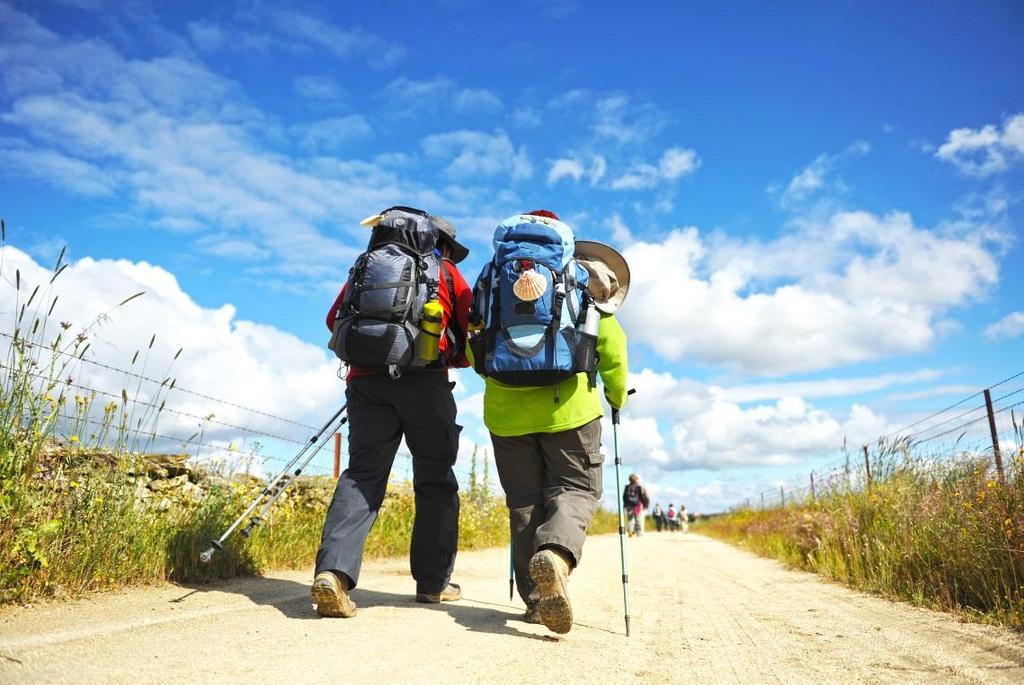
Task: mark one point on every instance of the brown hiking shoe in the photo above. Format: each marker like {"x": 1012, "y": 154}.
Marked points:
{"x": 549, "y": 570}
{"x": 451, "y": 593}
{"x": 330, "y": 594}
{"x": 532, "y": 614}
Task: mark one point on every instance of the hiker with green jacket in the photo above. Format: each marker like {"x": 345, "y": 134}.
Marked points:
{"x": 547, "y": 435}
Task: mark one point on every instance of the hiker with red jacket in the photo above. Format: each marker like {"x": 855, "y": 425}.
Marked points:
{"x": 543, "y": 310}
{"x": 399, "y": 323}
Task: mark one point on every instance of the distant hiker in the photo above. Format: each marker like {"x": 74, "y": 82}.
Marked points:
{"x": 684, "y": 519}
{"x": 659, "y": 517}
{"x": 634, "y": 496}
{"x": 399, "y": 323}
{"x": 544, "y": 310}
{"x": 672, "y": 516}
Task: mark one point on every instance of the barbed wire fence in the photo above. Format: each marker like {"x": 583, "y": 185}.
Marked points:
{"x": 242, "y": 448}
{"x": 983, "y": 426}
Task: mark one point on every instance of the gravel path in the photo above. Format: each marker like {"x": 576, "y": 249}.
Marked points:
{"x": 703, "y": 611}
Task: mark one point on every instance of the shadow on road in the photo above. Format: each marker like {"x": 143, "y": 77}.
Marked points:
{"x": 292, "y": 599}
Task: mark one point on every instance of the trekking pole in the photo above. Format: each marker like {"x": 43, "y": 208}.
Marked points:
{"x": 622, "y": 520}
{"x": 511, "y": 567}
{"x": 272, "y": 490}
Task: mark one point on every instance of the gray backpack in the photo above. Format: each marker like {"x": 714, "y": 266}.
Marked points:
{"x": 379, "y": 318}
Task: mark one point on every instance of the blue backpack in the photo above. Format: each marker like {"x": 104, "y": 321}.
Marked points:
{"x": 530, "y": 300}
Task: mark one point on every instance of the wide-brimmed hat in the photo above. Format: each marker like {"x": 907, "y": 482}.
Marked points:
{"x": 446, "y": 233}
{"x": 609, "y": 274}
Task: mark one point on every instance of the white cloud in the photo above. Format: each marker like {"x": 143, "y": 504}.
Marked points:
{"x": 526, "y": 117}
{"x": 477, "y": 100}
{"x": 621, "y": 235}
{"x": 598, "y": 168}
{"x": 928, "y": 393}
{"x": 206, "y": 36}
{"x": 818, "y": 176}
{"x": 318, "y": 88}
{"x": 675, "y": 163}
{"x": 855, "y": 287}
{"x": 618, "y": 118}
{"x": 475, "y": 153}
{"x": 439, "y": 94}
{"x": 1008, "y": 327}
{"x": 62, "y": 171}
{"x": 985, "y": 151}
{"x": 576, "y": 169}
{"x": 565, "y": 168}
{"x": 331, "y": 133}
{"x": 559, "y": 9}
{"x": 314, "y": 33}
{"x": 676, "y": 423}
{"x": 828, "y": 387}
{"x": 244, "y": 362}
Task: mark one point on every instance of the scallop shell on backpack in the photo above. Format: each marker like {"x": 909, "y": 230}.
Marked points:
{"x": 530, "y": 285}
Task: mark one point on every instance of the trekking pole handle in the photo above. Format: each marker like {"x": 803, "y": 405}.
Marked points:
{"x": 615, "y": 412}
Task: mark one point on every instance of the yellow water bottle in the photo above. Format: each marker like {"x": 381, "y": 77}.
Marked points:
{"x": 430, "y": 332}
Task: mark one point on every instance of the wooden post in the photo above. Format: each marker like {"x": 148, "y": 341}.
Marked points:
{"x": 867, "y": 465}
{"x": 337, "y": 455}
{"x": 762, "y": 499}
{"x": 812, "y": 486}
{"x": 782, "y": 496}
{"x": 995, "y": 437}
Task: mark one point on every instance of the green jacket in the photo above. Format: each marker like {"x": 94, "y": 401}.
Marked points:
{"x": 518, "y": 410}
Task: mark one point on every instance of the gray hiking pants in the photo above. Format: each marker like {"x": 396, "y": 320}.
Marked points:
{"x": 552, "y": 484}
{"x": 420, "y": 406}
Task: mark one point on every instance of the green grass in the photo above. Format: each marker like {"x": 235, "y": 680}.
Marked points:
{"x": 947, "y": 537}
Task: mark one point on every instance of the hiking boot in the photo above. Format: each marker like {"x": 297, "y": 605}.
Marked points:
{"x": 451, "y": 593}
{"x": 532, "y": 614}
{"x": 330, "y": 594}
{"x": 549, "y": 570}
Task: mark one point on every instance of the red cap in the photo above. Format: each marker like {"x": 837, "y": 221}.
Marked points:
{"x": 545, "y": 213}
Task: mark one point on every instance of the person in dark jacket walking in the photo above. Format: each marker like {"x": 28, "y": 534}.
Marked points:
{"x": 634, "y": 497}
{"x": 659, "y": 517}
{"x": 418, "y": 405}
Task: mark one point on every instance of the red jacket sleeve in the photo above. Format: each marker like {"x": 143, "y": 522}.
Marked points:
{"x": 332, "y": 313}
{"x": 459, "y": 310}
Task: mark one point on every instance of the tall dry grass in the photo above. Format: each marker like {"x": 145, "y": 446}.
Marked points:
{"x": 938, "y": 530}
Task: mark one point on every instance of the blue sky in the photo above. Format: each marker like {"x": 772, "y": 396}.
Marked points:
{"x": 817, "y": 194}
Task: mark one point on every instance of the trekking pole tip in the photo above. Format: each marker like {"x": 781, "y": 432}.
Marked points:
{"x": 206, "y": 556}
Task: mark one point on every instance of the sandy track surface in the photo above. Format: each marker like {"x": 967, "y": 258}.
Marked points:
{"x": 703, "y": 611}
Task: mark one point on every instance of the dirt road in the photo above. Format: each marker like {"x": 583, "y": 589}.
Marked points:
{"x": 704, "y": 612}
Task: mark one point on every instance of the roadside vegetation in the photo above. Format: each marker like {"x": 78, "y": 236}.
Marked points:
{"x": 85, "y": 505}
{"x": 938, "y": 530}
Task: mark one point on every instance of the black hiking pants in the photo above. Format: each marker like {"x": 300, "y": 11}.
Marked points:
{"x": 420, "y": 406}
{"x": 552, "y": 484}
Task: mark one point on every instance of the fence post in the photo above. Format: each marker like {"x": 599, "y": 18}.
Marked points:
{"x": 337, "y": 455}
{"x": 846, "y": 470}
{"x": 812, "y": 486}
{"x": 782, "y": 496}
{"x": 867, "y": 465}
{"x": 762, "y": 499}
{"x": 995, "y": 437}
